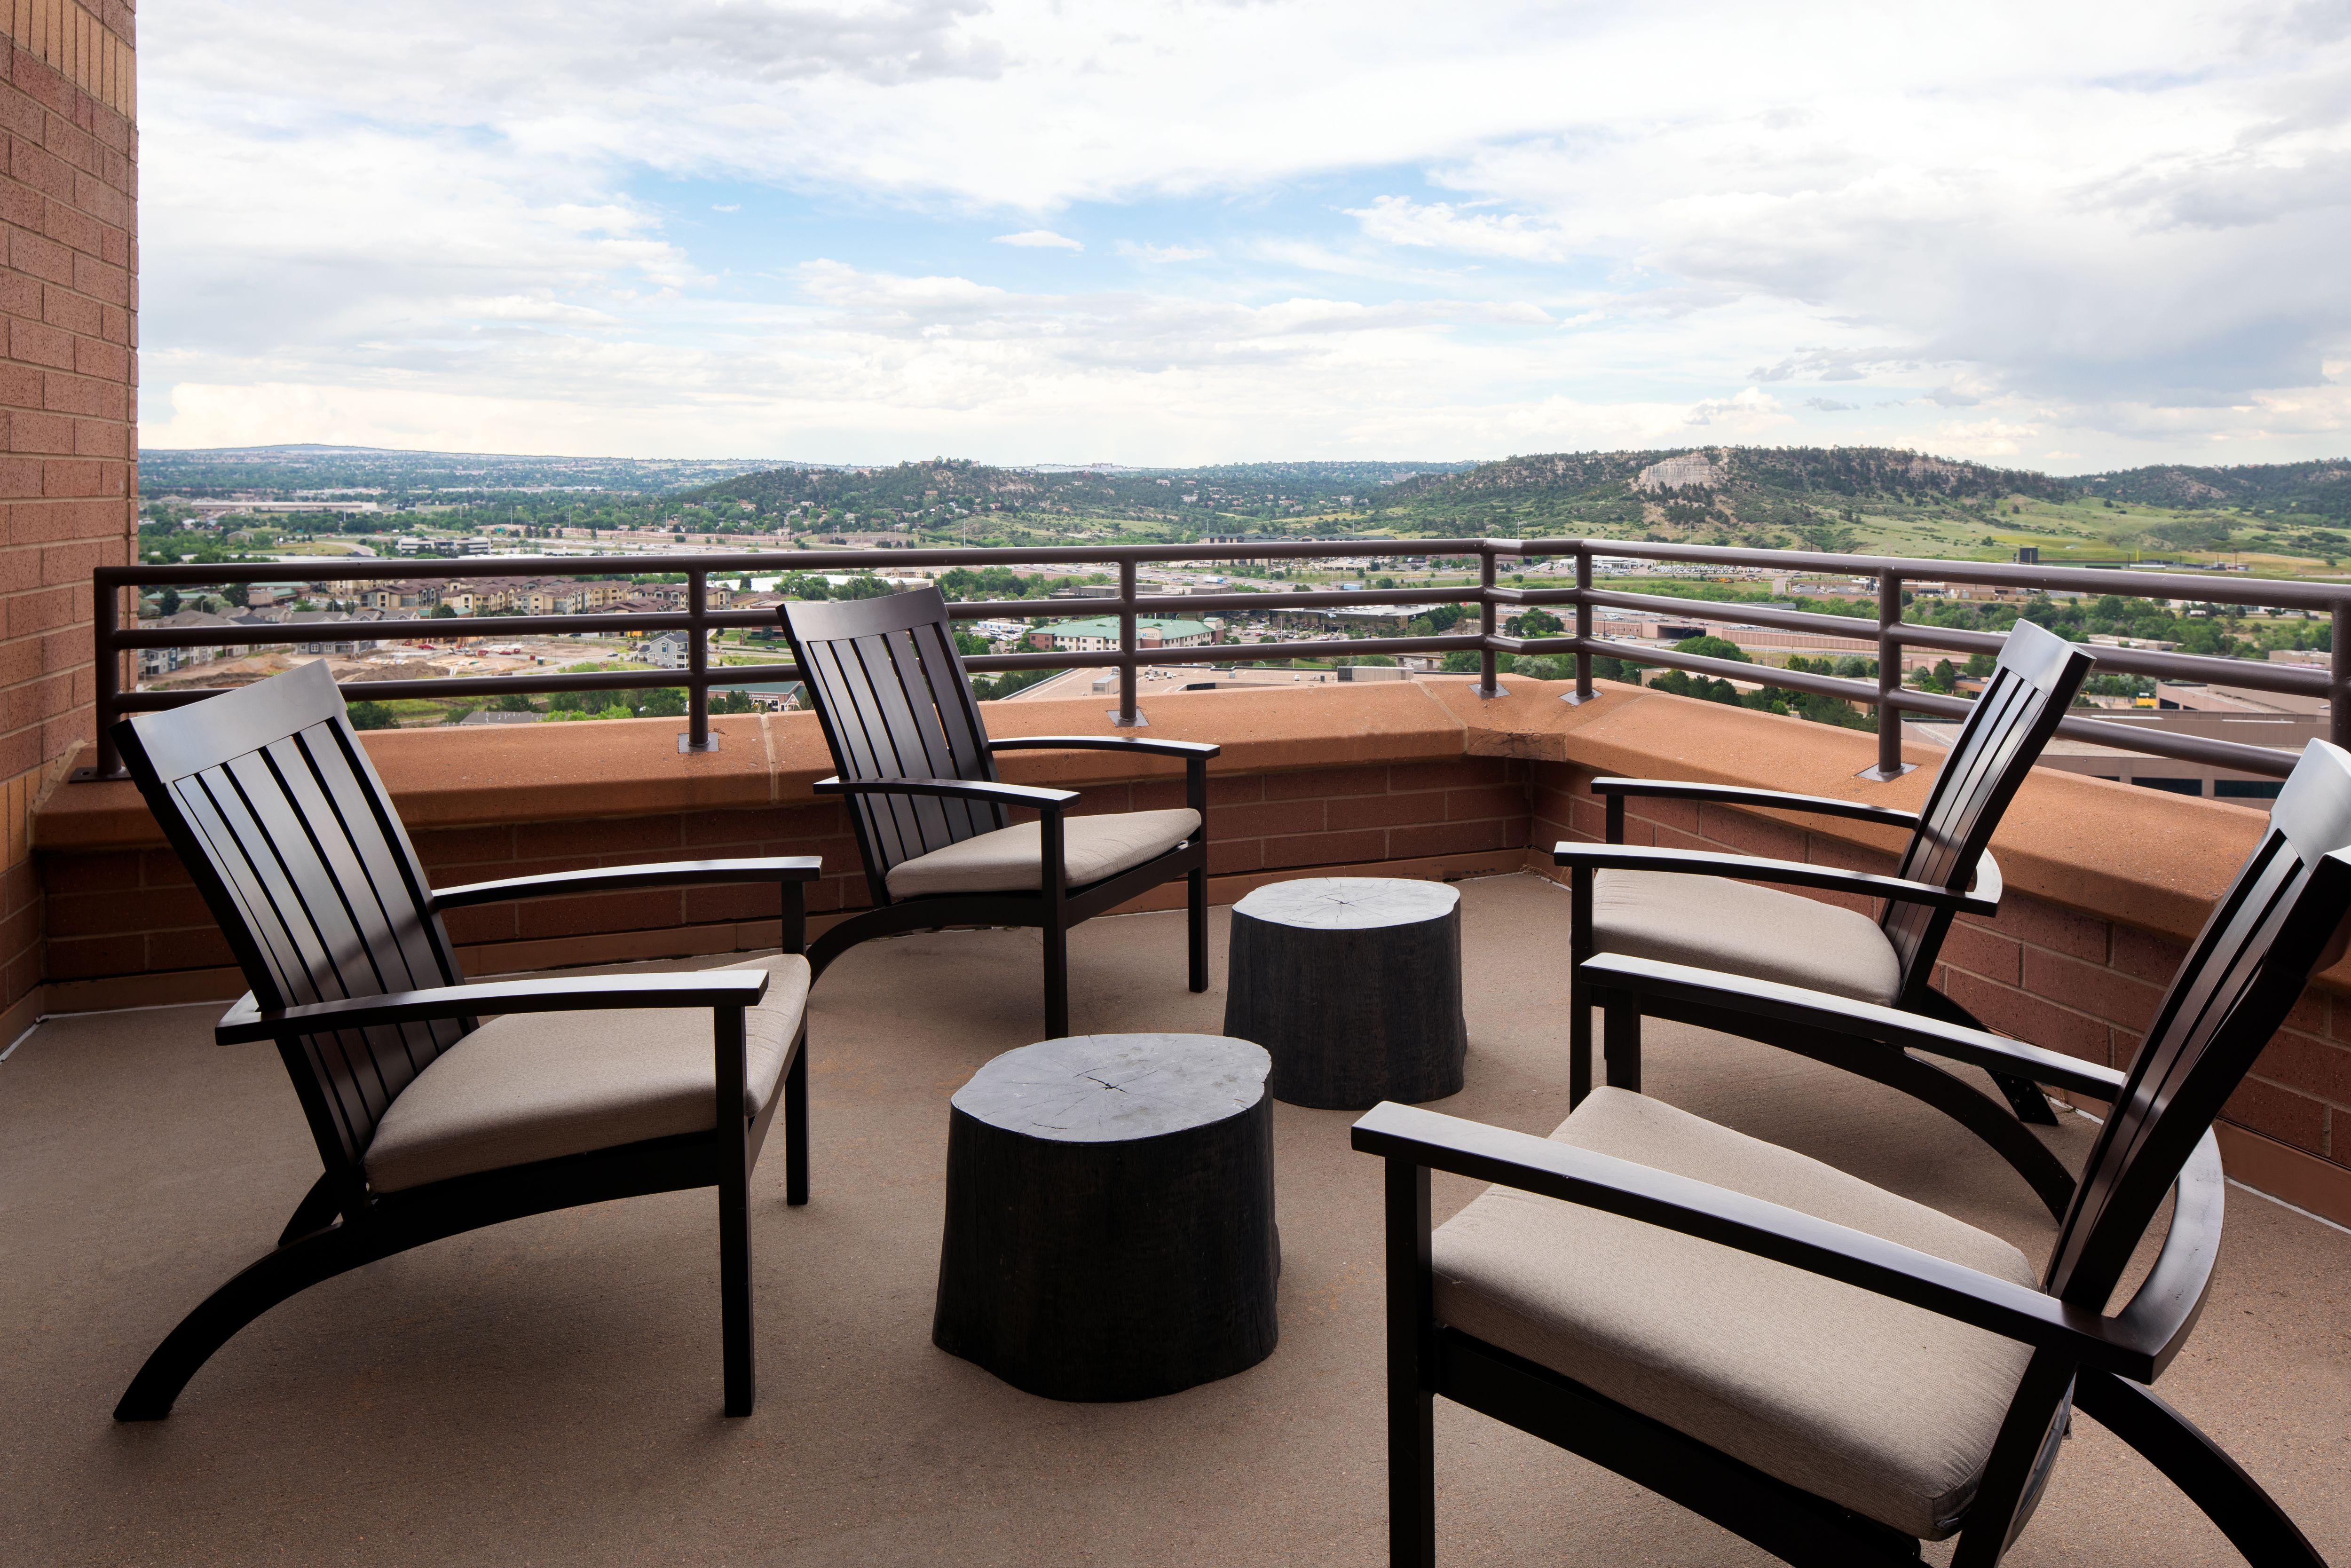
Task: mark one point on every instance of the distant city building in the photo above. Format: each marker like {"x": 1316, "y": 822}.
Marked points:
{"x": 1100, "y": 635}
{"x": 670, "y": 650}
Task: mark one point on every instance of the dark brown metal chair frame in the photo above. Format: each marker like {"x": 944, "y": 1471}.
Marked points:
{"x": 918, "y": 767}
{"x": 1946, "y": 869}
{"x": 278, "y": 815}
{"x": 2283, "y": 919}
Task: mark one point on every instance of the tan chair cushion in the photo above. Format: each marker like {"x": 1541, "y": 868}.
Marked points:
{"x": 1715, "y": 923}
{"x": 536, "y": 1086}
{"x": 1885, "y": 1408}
{"x": 1012, "y": 858}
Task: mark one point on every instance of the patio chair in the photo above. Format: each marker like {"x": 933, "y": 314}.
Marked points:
{"x": 432, "y": 1115}
{"x": 1826, "y": 1369}
{"x": 918, "y": 769}
{"x": 1699, "y": 907}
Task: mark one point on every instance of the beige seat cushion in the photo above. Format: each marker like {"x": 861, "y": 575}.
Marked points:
{"x": 1885, "y": 1408}
{"x": 536, "y": 1086}
{"x": 1715, "y": 923}
{"x": 1011, "y": 859}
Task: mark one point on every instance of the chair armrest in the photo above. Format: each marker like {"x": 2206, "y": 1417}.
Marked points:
{"x": 699, "y": 988}
{"x": 1843, "y": 1015}
{"x": 954, "y": 788}
{"x": 1199, "y": 749}
{"x": 1795, "y": 873}
{"x": 1750, "y": 1225}
{"x": 609, "y": 879}
{"x": 1771, "y": 799}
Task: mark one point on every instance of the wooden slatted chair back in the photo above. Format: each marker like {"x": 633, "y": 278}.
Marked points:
{"x": 2030, "y": 687}
{"x": 2283, "y": 919}
{"x": 895, "y": 703}
{"x": 280, "y": 819}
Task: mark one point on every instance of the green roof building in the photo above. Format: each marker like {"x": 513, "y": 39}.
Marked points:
{"x": 1100, "y": 635}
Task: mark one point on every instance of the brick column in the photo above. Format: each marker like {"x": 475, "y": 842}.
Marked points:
{"x": 68, "y": 381}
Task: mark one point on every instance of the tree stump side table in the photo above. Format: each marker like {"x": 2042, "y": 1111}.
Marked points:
{"x": 1110, "y": 1216}
{"x": 1353, "y": 985}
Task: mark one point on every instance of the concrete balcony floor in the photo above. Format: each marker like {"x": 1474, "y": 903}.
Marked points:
{"x": 548, "y": 1391}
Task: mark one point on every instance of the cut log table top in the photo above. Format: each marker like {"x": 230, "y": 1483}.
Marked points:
{"x": 1349, "y": 903}
{"x": 1111, "y": 1088}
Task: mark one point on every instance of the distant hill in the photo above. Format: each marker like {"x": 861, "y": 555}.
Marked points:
{"x": 1197, "y": 496}
{"x": 2321, "y": 489}
{"x": 279, "y": 472}
{"x": 1730, "y": 495}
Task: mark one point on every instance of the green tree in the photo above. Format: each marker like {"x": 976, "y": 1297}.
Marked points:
{"x": 370, "y": 716}
{"x": 513, "y": 702}
{"x": 1539, "y": 623}
{"x": 1607, "y": 669}
{"x": 1712, "y": 647}
{"x": 170, "y": 603}
{"x": 1682, "y": 684}
{"x": 445, "y": 612}
{"x": 662, "y": 702}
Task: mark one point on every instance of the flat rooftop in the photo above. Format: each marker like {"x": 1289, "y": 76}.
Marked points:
{"x": 548, "y": 1391}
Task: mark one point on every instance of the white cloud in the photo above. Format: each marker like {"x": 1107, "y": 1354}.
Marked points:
{"x": 1440, "y": 227}
{"x": 1161, "y": 253}
{"x": 2118, "y": 229}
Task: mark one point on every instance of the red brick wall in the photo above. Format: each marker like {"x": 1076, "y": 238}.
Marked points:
{"x": 2040, "y": 972}
{"x": 68, "y": 374}
{"x": 118, "y": 914}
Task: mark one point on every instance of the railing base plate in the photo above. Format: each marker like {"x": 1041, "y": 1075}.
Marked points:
{"x": 1137, "y": 722}
{"x": 685, "y": 745}
{"x": 1577, "y": 699}
{"x": 1879, "y": 775}
{"x": 1496, "y": 690}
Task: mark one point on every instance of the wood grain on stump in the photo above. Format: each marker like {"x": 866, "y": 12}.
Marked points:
{"x": 1353, "y": 985}
{"x": 1110, "y": 1216}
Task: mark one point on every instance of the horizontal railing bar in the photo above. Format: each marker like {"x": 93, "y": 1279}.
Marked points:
{"x": 450, "y": 686}
{"x": 2274, "y": 762}
{"x": 1861, "y": 692}
{"x": 1852, "y": 628}
{"x": 2259, "y": 674}
{"x": 1997, "y": 574}
{"x": 757, "y": 563}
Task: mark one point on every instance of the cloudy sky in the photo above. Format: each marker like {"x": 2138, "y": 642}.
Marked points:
{"x": 2065, "y": 236}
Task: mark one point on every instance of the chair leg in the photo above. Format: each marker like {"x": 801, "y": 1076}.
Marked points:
{"x": 2209, "y": 1477}
{"x": 2023, "y": 1095}
{"x": 1197, "y": 924}
{"x": 1057, "y": 980}
{"x": 796, "y": 1149}
{"x": 269, "y": 1279}
{"x": 1619, "y": 1042}
{"x": 734, "y": 1282}
{"x": 1579, "y": 1040}
{"x": 315, "y": 1212}
{"x": 1412, "y": 1413}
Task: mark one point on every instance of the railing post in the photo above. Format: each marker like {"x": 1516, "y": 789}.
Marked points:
{"x": 1583, "y": 693}
{"x": 105, "y": 617}
{"x": 1124, "y": 716}
{"x": 697, "y": 736}
{"x": 1890, "y": 765}
{"x": 2338, "y": 684}
{"x": 1488, "y": 672}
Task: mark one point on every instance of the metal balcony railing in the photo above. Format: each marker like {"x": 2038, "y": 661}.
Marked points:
{"x": 1890, "y": 633}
